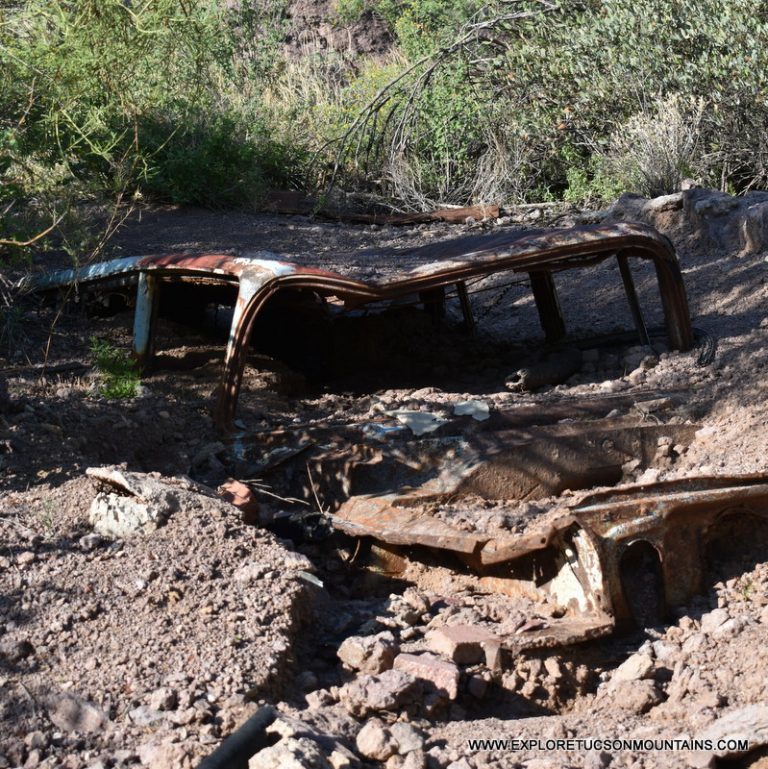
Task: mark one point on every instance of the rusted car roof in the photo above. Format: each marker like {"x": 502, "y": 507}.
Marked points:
{"x": 262, "y": 275}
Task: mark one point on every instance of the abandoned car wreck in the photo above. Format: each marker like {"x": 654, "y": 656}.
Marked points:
{"x": 576, "y": 555}
{"x": 255, "y": 282}
{"x": 536, "y": 513}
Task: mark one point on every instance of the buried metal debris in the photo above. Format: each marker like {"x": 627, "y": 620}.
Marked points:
{"x": 594, "y": 558}
{"x": 251, "y": 285}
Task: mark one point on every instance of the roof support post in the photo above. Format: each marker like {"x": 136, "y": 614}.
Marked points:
{"x": 547, "y": 304}
{"x": 466, "y": 307}
{"x": 144, "y": 321}
{"x": 634, "y": 304}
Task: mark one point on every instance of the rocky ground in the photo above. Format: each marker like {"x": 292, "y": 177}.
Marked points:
{"x": 146, "y": 650}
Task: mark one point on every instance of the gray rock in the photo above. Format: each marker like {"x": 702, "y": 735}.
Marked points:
{"x": 407, "y": 737}
{"x": 634, "y": 668}
{"x": 14, "y": 650}
{"x": 389, "y": 691}
{"x": 746, "y": 723}
{"x": 145, "y": 716}
{"x": 142, "y": 502}
{"x": 375, "y": 741}
{"x": 636, "y": 696}
{"x": 416, "y": 759}
{"x": 729, "y": 628}
{"x": 163, "y": 698}
{"x": 291, "y": 753}
{"x": 369, "y": 654}
{"x": 73, "y": 714}
{"x": 113, "y": 515}
{"x": 35, "y": 740}
{"x": 712, "y": 620}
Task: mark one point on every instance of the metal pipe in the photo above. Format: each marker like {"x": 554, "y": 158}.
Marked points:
{"x": 237, "y": 749}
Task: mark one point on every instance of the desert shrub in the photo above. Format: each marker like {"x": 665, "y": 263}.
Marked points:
{"x": 135, "y": 98}
{"x": 572, "y": 78}
{"x": 652, "y": 152}
{"x": 195, "y": 102}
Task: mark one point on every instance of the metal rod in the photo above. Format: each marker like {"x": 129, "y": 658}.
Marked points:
{"x": 634, "y": 304}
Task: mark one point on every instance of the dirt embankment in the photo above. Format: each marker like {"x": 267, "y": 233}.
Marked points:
{"x": 145, "y": 651}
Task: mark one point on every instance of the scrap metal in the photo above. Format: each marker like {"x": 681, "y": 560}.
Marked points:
{"x": 261, "y": 277}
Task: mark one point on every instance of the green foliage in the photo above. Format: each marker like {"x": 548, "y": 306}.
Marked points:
{"x": 135, "y": 98}
{"x": 117, "y": 370}
{"x": 194, "y": 102}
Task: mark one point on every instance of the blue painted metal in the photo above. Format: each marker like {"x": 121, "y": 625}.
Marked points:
{"x": 144, "y": 318}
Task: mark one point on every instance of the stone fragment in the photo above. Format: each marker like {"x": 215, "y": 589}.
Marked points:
{"x": 250, "y": 572}
{"x": 416, "y": 600}
{"x": 291, "y": 753}
{"x": 552, "y": 666}
{"x": 745, "y": 723}
{"x": 319, "y": 698}
{"x": 375, "y": 741}
{"x": 145, "y": 716}
{"x": 164, "y": 755}
{"x": 91, "y": 541}
{"x": 634, "y": 668}
{"x": 389, "y": 691}
{"x": 729, "y": 628}
{"x": 369, "y": 654}
{"x": 25, "y": 558}
{"x": 461, "y": 643}
{"x": 113, "y": 515}
{"x": 163, "y": 698}
{"x": 35, "y": 740}
{"x": 145, "y": 500}
{"x": 73, "y": 714}
{"x": 416, "y": 759}
{"x": 442, "y": 674}
{"x": 754, "y": 229}
{"x": 713, "y": 619}
{"x": 14, "y": 650}
{"x": 636, "y": 696}
{"x": 407, "y": 737}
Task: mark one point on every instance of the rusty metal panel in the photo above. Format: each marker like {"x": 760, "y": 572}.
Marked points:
{"x": 262, "y": 275}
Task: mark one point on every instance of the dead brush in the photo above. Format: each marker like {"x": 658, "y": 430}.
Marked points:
{"x": 503, "y": 172}
{"x": 657, "y": 148}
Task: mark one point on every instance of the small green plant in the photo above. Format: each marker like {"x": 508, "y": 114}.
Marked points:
{"x": 117, "y": 371}
{"x": 747, "y": 589}
{"x": 47, "y": 518}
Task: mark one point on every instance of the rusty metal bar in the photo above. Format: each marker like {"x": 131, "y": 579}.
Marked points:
{"x": 466, "y": 307}
{"x": 547, "y": 304}
{"x": 632, "y": 300}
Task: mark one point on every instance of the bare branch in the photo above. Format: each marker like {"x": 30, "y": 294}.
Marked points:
{"x": 398, "y": 100}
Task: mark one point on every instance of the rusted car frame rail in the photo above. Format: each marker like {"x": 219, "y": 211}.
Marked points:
{"x": 260, "y": 278}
